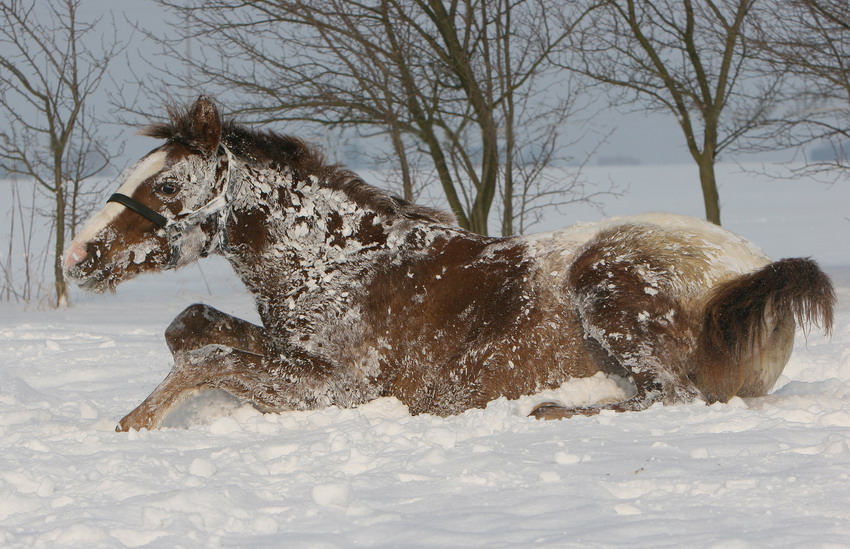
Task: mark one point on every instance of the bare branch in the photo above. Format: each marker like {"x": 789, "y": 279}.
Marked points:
{"x": 436, "y": 79}
{"x": 51, "y": 68}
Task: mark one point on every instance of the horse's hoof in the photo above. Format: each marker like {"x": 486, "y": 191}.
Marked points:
{"x": 551, "y": 410}
{"x": 133, "y": 422}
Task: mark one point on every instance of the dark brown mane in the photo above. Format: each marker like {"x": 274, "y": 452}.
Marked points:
{"x": 304, "y": 159}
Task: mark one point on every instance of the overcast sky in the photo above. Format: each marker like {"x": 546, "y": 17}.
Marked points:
{"x": 654, "y": 139}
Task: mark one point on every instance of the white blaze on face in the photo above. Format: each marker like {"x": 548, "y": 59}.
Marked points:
{"x": 145, "y": 169}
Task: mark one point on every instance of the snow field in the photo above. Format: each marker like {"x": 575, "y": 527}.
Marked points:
{"x": 767, "y": 472}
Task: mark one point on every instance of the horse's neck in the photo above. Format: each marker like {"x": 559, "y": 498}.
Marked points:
{"x": 299, "y": 245}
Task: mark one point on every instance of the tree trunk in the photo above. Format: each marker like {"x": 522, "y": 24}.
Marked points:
{"x": 710, "y": 196}
{"x": 445, "y": 176}
{"x": 480, "y": 101}
{"x": 478, "y": 219}
{"x": 510, "y": 142}
{"x": 508, "y": 214}
{"x": 62, "y": 299}
{"x": 401, "y": 153}
{"x": 489, "y": 172}
{"x": 506, "y": 82}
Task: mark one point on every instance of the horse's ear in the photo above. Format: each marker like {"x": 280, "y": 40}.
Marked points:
{"x": 206, "y": 124}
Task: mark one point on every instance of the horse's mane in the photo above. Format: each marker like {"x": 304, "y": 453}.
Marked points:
{"x": 304, "y": 159}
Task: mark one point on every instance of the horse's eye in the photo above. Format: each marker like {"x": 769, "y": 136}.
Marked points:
{"x": 167, "y": 187}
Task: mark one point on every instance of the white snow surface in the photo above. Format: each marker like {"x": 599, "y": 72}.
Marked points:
{"x": 765, "y": 472}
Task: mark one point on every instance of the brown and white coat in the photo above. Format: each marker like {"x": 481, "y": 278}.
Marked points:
{"x": 364, "y": 295}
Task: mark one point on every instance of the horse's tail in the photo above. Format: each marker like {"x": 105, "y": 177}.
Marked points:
{"x": 747, "y": 329}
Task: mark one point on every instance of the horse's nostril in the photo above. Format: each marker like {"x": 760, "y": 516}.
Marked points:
{"x": 75, "y": 255}
{"x": 82, "y": 259}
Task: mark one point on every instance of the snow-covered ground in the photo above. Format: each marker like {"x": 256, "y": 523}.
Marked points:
{"x": 768, "y": 472}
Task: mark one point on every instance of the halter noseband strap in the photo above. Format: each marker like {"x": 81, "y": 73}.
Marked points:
{"x": 159, "y": 220}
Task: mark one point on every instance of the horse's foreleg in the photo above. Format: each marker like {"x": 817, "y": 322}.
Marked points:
{"x": 246, "y": 375}
{"x": 200, "y": 325}
{"x": 207, "y": 345}
{"x": 292, "y": 380}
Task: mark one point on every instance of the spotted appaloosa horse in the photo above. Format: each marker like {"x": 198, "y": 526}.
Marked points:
{"x": 363, "y": 295}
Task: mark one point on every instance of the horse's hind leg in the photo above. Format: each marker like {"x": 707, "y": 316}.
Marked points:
{"x": 624, "y": 307}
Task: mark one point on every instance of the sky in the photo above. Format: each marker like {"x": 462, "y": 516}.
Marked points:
{"x": 647, "y": 139}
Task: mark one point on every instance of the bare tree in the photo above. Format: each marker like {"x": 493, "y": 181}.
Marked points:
{"x": 689, "y": 58}
{"x": 810, "y": 39}
{"x": 445, "y": 80}
{"x": 52, "y": 65}
{"x": 21, "y": 266}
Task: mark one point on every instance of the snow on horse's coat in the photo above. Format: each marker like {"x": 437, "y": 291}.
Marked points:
{"x": 363, "y": 295}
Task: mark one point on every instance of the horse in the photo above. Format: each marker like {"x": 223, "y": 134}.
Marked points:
{"x": 364, "y": 295}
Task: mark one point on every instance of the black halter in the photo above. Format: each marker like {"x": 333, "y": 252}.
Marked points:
{"x": 158, "y": 219}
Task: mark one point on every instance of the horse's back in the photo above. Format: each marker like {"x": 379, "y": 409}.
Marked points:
{"x": 692, "y": 252}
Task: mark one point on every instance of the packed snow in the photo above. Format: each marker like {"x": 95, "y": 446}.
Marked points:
{"x": 765, "y": 472}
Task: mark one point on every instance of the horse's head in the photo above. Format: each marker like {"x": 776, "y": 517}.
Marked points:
{"x": 166, "y": 213}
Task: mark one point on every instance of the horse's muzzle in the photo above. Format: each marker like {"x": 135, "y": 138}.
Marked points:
{"x": 80, "y": 267}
